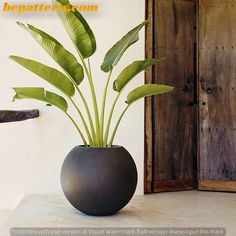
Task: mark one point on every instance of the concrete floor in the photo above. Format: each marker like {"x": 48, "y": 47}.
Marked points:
{"x": 175, "y": 209}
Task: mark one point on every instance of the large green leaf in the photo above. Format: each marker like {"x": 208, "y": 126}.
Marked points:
{"x": 147, "y": 90}
{"x": 42, "y": 95}
{"x": 63, "y": 57}
{"x": 130, "y": 72}
{"x": 78, "y": 29}
{"x": 51, "y": 75}
{"x": 115, "y": 53}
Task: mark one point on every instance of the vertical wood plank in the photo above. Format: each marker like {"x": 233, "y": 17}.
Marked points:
{"x": 174, "y": 129}
{"x": 169, "y": 119}
{"x": 217, "y": 86}
{"x": 148, "y": 155}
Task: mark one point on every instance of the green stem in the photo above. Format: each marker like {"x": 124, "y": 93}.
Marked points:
{"x": 76, "y": 126}
{"x": 83, "y": 121}
{"x": 116, "y": 126}
{"x": 109, "y": 118}
{"x": 95, "y": 105}
{"x": 85, "y": 105}
{"x": 102, "y": 114}
{"x": 89, "y": 116}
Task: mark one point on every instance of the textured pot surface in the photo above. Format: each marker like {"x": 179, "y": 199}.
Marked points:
{"x": 99, "y": 181}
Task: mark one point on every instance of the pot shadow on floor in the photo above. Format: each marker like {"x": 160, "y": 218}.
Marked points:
{"x": 123, "y": 212}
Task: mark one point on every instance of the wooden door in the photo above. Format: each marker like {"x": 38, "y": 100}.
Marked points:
{"x": 170, "y": 119}
{"x": 217, "y": 93}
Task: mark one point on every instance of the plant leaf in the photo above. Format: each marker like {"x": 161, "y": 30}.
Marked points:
{"x": 42, "y": 95}
{"x": 63, "y": 57}
{"x": 78, "y": 29}
{"x": 115, "y": 53}
{"x": 51, "y": 75}
{"x": 56, "y": 100}
{"x": 147, "y": 90}
{"x": 130, "y": 72}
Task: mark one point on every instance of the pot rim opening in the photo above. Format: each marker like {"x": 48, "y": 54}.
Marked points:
{"x": 112, "y": 147}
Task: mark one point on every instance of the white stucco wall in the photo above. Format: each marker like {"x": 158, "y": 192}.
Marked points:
{"x": 32, "y": 152}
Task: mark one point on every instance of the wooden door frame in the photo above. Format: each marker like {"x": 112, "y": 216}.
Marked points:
{"x": 148, "y": 114}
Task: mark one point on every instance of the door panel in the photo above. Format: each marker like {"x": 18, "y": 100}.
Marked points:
{"x": 172, "y": 115}
{"x": 217, "y": 94}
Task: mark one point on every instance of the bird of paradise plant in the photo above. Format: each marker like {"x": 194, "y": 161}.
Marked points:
{"x": 68, "y": 83}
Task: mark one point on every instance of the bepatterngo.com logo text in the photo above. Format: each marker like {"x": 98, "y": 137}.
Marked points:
{"x": 29, "y": 8}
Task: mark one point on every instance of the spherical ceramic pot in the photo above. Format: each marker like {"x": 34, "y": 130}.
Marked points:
{"x": 99, "y": 181}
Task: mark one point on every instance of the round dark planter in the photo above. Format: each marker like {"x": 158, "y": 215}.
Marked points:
{"x": 99, "y": 181}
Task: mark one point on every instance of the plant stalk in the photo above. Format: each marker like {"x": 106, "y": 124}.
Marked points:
{"x": 109, "y": 119}
{"x": 102, "y": 114}
{"x": 95, "y": 105}
{"x": 117, "y": 125}
{"x": 89, "y": 116}
{"x": 78, "y": 129}
{"x": 85, "y": 105}
{"x": 83, "y": 121}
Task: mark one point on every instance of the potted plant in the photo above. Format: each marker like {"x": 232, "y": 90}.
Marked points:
{"x": 98, "y": 178}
